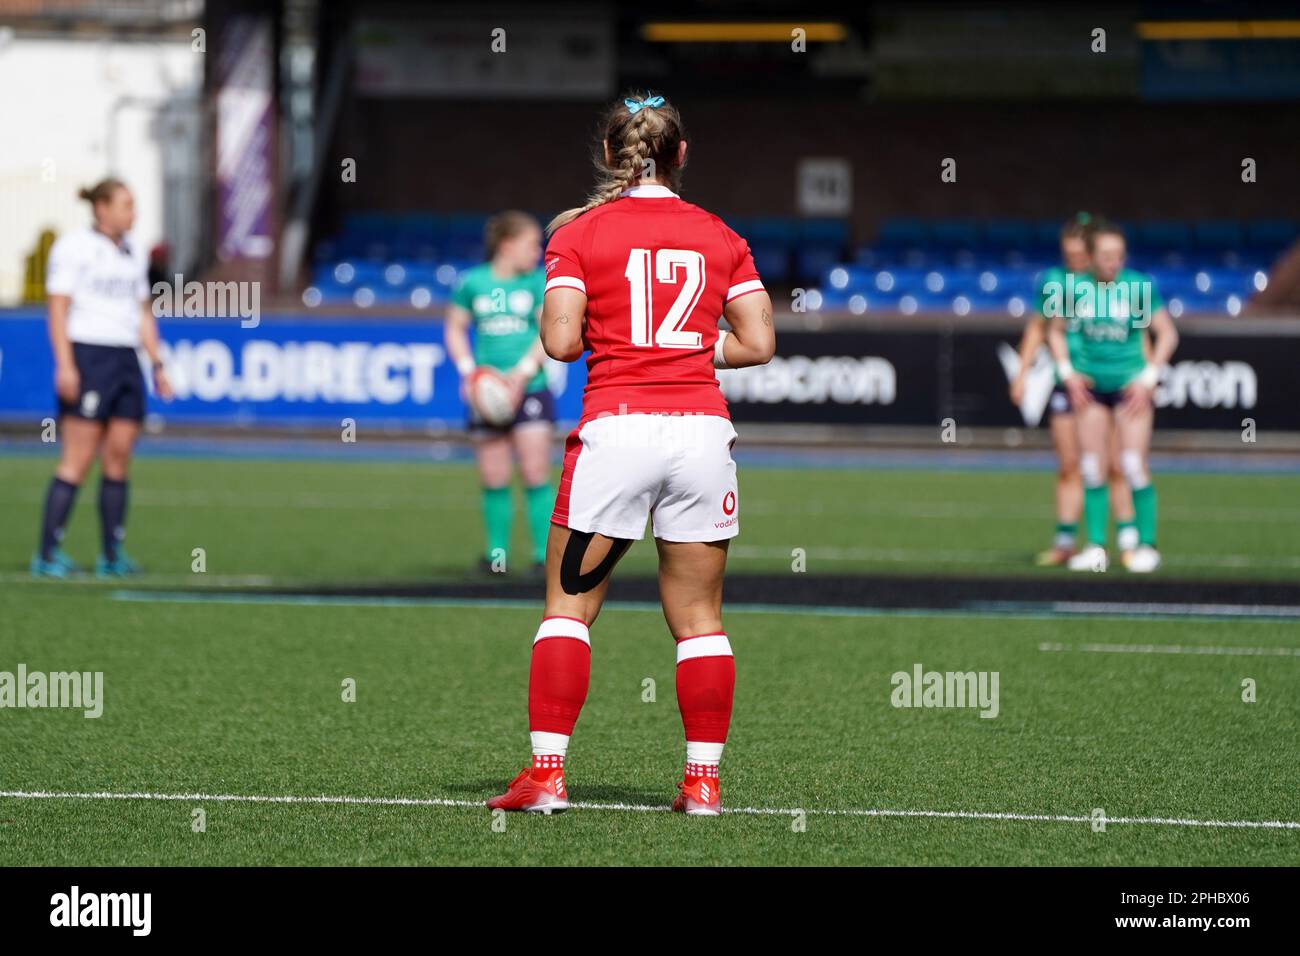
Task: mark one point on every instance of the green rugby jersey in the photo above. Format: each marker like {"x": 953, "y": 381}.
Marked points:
{"x": 503, "y": 315}
{"x": 1108, "y": 325}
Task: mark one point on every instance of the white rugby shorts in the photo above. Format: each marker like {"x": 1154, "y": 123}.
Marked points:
{"x": 674, "y": 468}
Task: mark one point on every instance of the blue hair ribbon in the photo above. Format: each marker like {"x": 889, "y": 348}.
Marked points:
{"x": 635, "y": 106}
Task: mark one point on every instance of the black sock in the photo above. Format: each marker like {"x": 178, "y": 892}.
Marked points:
{"x": 112, "y": 515}
{"x": 58, "y": 503}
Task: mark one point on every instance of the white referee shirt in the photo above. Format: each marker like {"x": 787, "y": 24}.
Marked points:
{"x": 106, "y": 283}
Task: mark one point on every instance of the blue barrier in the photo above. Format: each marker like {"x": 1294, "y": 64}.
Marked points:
{"x": 289, "y": 370}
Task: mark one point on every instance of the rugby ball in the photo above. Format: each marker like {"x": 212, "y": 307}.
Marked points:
{"x": 494, "y": 400}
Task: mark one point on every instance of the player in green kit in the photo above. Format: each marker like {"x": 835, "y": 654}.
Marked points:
{"x": 1098, "y": 339}
{"x": 501, "y": 301}
{"x": 1063, "y": 427}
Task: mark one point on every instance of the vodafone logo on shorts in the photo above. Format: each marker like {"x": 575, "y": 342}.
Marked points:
{"x": 729, "y": 509}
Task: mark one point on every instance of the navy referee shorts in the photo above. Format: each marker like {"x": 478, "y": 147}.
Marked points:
{"x": 112, "y": 384}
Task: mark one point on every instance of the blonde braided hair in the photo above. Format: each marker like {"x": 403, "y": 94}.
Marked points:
{"x": 636, "y": 139}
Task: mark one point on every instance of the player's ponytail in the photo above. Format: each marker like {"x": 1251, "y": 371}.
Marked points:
{"x": 643, "y": 133}
{"x": 101, "y": 192}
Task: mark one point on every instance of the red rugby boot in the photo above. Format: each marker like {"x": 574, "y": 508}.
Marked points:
{"x": 698, "y": 797}
{"x": 535, "y": 790}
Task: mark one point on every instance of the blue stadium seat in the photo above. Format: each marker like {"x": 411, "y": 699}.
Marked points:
{"x": 1217, "y": 236}
{"x": 922, "y": 301}
{"x": 349, "y": 274}
{"x": 1270, "y": 236}
{"x": 898, "y": 280}
{"x": 828, "y": 231}
{"x": 956, "y": 234}
{"x": 842, "y": 278}
{"x": 1160, "y": 236}
{"x": 815, "y": 260}
{"x": 898, "y": 234}
{"x": 1008, "y": 235}
{"x": 820, "y": 245}
{"x": 331, "y": 292}
{"x": 448, "y": 273}
{"x": 868, "y": 258}
{"x": 774, "y": 230}
{"x": 1047, "y": 239}
{"x": 1180, "y": 281}
{"x": 964, "y": 280}
{"x": 772, "y": 259}
{"x": 832, "y": 299}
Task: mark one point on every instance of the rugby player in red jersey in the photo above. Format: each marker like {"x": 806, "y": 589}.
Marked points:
{"x": 639, "y": 277}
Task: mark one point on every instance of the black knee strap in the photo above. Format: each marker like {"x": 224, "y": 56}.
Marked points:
{"x": 571, "y": 577}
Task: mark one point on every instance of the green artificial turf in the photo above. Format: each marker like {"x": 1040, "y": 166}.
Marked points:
{"x": 213, "y": 698}
{"x": 343, "y": 522}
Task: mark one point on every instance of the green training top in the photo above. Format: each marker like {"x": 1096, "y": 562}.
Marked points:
{"x": 504, "y": 316}
{"x": 1106, "y": 324}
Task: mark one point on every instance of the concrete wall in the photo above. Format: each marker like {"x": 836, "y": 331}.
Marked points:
{"x": 76, "y": 110}
{"x": 1128, "y": 160}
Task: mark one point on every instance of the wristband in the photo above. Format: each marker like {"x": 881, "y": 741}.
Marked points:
{"x": 719, "y": 350}
{"x": 466, "y": 366}
{"x": 158, "y": 365}
{"x": 1064, "y": 370}
{"x": 528, "y": 366}
{"x": 1149, "y": 377}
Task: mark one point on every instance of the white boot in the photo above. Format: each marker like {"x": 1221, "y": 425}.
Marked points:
{"x": 1144, "y": 560}
{"x": 1091, "y": 558}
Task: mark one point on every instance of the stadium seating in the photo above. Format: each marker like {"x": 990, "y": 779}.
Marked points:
{"x": 381, "y": 259}
{"x": 415, "y": 259}
{"x": 965, "y": 266}
{"x": 914, "y": 265}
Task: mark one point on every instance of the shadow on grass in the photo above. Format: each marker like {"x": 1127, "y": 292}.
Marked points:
{"x": 587, "y": 793}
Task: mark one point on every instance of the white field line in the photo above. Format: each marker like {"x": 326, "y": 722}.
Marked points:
{"x": 647, "y": 808}
{"x": 1174, "y": 649}
{"x": 1166, "y": 607}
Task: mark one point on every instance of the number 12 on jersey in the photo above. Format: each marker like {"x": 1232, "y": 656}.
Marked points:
{"x": 668, "y": 263}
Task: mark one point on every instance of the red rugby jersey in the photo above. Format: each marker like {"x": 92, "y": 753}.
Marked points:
{"x": 657, "y": 272}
